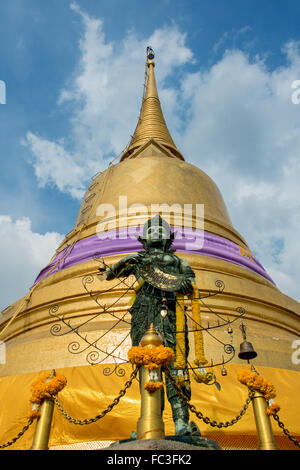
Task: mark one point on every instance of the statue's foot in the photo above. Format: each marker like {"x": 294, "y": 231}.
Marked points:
{"x": 182, "y": 428}
{"x": 195, "y": 431}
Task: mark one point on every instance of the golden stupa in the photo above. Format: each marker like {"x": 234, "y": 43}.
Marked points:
{"x": 35, "y": 329}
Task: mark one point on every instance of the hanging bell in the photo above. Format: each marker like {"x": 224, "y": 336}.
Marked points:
{"x": 164, "y": 308}
{"x": 229, "y": 330}
{"x": 164, "y": 311}
{"x": 247, "y": 351}
{"x": 223, "y": 371}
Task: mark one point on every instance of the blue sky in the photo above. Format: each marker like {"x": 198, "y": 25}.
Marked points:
{"x": 74, "y": 74}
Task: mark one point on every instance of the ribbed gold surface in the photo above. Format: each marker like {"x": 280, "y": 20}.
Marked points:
{"x": 151, "y": 123}
{"x": 150, "y": 180}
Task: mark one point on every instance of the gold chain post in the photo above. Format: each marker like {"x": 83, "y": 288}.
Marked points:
{"x": 43, "y": 425}
{"x": 263, "y": 424}
{"x": 150, "y": 424}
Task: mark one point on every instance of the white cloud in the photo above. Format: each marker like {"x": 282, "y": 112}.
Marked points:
{"x": 243, "y": 130}
{"x": 103, "y": 96}
{"x": 54, "y": 165}
{"x": 239, "y": 125}
{"x": 23, "y": 254}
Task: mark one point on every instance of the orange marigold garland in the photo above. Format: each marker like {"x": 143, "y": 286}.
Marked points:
{"x": 34, "y": 414}
{"x": 151, "y": 358}
{"x": 202, "y": 376}
{"x": 272, "y": 409}
{"x": 181, "y": 381}
{"x": 152, "y": 386}
{"x": 258, "y": 383}
{"x": 41, "y": 389}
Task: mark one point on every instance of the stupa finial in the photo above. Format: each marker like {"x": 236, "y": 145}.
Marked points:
{"x": 151, "y": 123}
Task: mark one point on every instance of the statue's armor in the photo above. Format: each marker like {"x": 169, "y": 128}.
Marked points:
{"x": 149, "y": 299}
{"x": 148, "y": 303}
{"x": 147, "y": 307}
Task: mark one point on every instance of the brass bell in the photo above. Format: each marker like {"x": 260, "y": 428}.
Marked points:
{"x": 223, "y": 371}
{"x": 164, "y": 308}
{"x": 164, "y": 311}
{"x": 247, "y": 351}
{"x": 229, "y": 330}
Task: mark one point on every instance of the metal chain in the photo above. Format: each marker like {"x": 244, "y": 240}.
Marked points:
{"x": 200, "y": 415}
{"x": 12, "y": 441}
{"x": 104, "y": 412}
{"x": 285, "y": 431}
{"x": 254, "y": 370}
{"x": 280, "y": 423}
{"x": 214, "y": 423}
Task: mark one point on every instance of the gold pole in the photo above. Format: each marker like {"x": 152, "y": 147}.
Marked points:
{"x": 150, "y": 424}
{"x": 43, "y": 425}
{"x": 263, "y": 424}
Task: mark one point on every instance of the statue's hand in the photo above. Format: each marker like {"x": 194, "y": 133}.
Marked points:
{"x": 118, "y": 268}
{"x": 186, "y": 286}
{"x": 133, "y": 259}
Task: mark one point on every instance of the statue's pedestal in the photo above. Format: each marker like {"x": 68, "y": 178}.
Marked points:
{"x": 169, "y": 443}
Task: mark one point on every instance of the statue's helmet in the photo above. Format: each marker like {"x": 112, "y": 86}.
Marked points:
{"x": 156, "y": 229}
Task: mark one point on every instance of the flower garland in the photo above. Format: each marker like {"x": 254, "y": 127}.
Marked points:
{"x": 152, "y": 386}
{"x": 201, "y": 376}
{"x": 180, "y": 362}
{"x": 272, "y": 409}
{"x": 40, "y": 390}
{"x": 181, "y": 380}
{"x": 151, "y": 358}
{"x": 34, "y": 414}
{"x": 259, "y": 384}
{"x": 133, "y": 297}
{"x": 200, "y": 359}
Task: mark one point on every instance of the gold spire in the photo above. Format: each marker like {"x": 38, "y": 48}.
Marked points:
{"x": 151, "y": 123}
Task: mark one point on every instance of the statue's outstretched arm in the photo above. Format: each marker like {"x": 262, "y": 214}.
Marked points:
{"x": 124, "y": 267}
